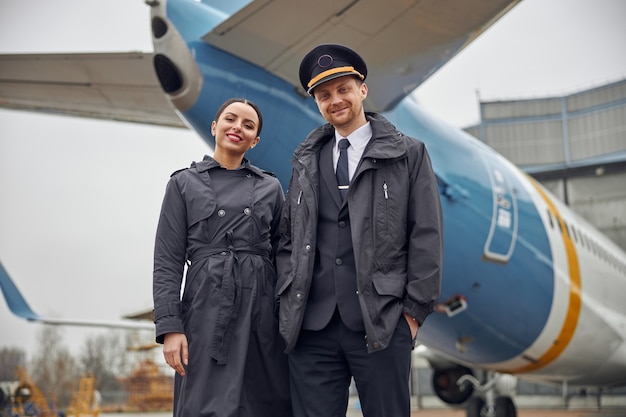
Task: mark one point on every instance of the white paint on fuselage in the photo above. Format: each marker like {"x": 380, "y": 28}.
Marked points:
{"x": 584, "y": 339}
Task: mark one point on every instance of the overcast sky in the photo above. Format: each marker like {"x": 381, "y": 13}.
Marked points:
{"x": 80, "y": 198}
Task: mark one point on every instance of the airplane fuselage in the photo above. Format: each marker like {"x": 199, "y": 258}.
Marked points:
{"x": 531, "y": 288}
{"x": 528, "y": 288}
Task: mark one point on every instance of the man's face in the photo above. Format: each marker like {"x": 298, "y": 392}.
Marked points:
{"x": 340, "y": 102}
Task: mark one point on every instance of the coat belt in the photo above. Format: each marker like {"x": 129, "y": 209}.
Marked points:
{"x": 229, "y": 297}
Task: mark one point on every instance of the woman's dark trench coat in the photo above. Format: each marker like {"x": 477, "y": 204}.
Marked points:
{"x": 222, "y": 224}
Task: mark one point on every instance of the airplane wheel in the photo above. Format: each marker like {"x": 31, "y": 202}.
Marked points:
{"x": 474, "y": 407}
{"x": 505, "y": 408}
{"x": 446, "y": 388}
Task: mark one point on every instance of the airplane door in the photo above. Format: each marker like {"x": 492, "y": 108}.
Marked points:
{"x": 504, "y": 217}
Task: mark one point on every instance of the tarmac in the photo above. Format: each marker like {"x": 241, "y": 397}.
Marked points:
{"x": 353, "y": 412}
{"x": 446, "y": 412}
{"x": 526, "y": 413}
{"x": 520, "y": 413}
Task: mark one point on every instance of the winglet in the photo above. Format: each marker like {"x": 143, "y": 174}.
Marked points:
{"x": 16, "y": 302}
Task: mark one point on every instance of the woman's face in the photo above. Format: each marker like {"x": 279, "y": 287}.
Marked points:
{"x": 236, "y": 128}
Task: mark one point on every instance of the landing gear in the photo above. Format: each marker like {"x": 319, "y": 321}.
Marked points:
{"x": 497, "y": 393}
{"x": 447, "y": 386}
{"x": 504, "y": 407}
{"x": 474, "y": 407}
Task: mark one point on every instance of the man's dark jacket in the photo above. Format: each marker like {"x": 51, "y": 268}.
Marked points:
{"x": 396, "y": 227}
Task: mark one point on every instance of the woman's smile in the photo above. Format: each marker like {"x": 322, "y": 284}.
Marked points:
{"x": 234, "y": 137}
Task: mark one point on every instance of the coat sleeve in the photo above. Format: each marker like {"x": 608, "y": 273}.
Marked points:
{"x": 283, "y": 254}
{"x": 169, "y": 260}
{"x": 425, "y": 234}
{"x": 275, "y": 226}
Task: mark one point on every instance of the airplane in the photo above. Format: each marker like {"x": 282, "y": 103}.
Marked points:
{"x": 529, "y": 288}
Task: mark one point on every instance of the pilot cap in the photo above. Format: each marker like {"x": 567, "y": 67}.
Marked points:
{"x": 329, "y": 61}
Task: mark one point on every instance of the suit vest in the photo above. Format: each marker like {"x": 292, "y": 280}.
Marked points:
{"x": 333, "y": 284}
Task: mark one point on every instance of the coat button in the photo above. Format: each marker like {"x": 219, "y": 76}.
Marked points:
{"x": 307, "y": 248}
{"x": 342, "y": 224}
{"x": 338, "y": 261}
{"x": 221, "y": 213}
{"x": 376, "y": 345}
{"x": 299, "y": 296}
{"x": 249, "y": 175}
{"x": 247, "y": 211}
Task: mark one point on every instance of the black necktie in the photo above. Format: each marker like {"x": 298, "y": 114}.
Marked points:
{"x": 343, "y": 178}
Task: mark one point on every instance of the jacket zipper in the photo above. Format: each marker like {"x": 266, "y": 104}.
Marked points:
{"x": 386, "y": 195}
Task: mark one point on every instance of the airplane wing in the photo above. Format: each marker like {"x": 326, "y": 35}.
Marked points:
{"x": 112, "y": 86}
{"x": 18, "y": 306}
{"x": 403, "y": 42}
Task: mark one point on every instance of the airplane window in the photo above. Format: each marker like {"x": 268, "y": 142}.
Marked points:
{"x": 581, "y": 238}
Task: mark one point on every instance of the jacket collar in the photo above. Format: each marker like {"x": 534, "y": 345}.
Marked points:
{"x": 209, "y": 163}
{"x": 386, "y": 142}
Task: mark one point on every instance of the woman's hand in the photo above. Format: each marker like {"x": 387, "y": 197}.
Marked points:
{"x": 175, "y": 351}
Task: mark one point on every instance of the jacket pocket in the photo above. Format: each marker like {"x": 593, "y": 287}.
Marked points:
{"x": 283, "y": 284}
{"x": 390, "y": 193}
{"x": 389, "y": 285}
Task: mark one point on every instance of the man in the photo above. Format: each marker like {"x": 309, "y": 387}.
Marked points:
{"x": 358, "y": 274}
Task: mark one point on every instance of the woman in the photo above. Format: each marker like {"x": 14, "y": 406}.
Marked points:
{"x": 220, "y": 217}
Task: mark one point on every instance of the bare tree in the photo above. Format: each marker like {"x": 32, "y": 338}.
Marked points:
{"x": 105, "y": 357}
{"x": 53, "y": 369}
{"x": 10, "y": 359}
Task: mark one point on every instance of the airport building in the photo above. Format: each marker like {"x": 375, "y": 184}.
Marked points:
{"x": 575, "y": 145}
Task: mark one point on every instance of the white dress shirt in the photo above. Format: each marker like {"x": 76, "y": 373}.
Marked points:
{"x": 358, "y": 141}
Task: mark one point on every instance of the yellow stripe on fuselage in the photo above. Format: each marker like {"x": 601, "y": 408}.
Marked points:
{"x": 575, "y": 302}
